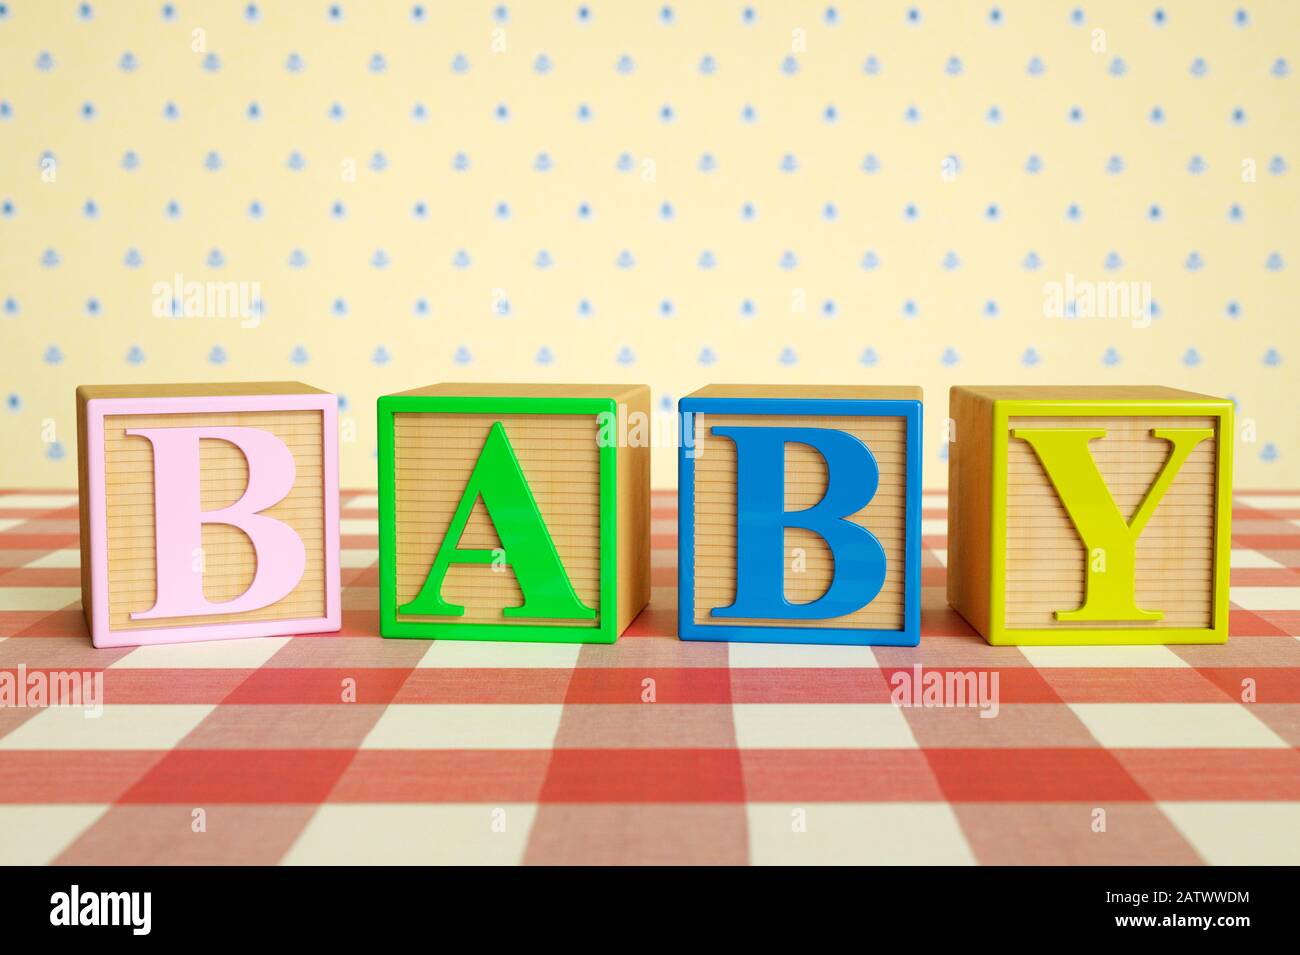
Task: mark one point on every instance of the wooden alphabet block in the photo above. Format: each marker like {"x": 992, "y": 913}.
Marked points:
{"x": 207, "y": 511}
{"x": 514, "y": 512}
{"x": 800, "y": 515}
{"x": 1090, "y": 515}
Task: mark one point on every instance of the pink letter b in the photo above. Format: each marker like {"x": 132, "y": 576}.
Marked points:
{"x": 179, "y": 519}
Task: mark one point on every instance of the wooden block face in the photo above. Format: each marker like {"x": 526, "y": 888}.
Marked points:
{"x": 712, "y": 517}
{"x": 488, "y": 502}
{"x": 805, "y": 483}
{"x": 1110, "y": 521}
{"x": 228, "y": 552}
{"x": 211, "y": 516}
{"x": 433, "y": 457}
{"x": 1046, "y": 560}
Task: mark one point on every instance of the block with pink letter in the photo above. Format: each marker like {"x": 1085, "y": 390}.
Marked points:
{"x": 208, "y": 511}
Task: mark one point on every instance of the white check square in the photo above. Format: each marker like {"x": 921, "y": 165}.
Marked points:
{"x": 1239, "y": 833}
{"x": 1246, "y": 559}
{"x": 1175, "y": 726}
{"x": 856, "y": 834}
{"x": 1265, "y": 598}
{"x": 420, "y": 834}
{"x": 821, "y": 726}
{"x": 121, "y": 726}
{"x": 1103, "y": 656}
{"x": 488, "y": 654}
{"x": 35, "y": 835}
{"x": 352, "y": 558}
{"x": 466, "y": 726}
{"x": 37, "y": 502}
{"x": 246, "y": 654}
{"x": 38, "y": 598}
{"x": 57, "y": 558}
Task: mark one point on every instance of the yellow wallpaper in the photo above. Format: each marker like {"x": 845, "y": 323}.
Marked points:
{"x": 929, "y": 192}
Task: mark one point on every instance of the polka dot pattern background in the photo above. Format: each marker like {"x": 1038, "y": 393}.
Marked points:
{"x": 374, "y": 196}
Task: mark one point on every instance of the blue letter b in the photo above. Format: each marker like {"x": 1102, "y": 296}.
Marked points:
{"x": 761, "y": 519}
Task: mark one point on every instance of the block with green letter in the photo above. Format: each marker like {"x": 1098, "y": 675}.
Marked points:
{"x": 1090, "y": 515}
{"x": 514, "y": 512}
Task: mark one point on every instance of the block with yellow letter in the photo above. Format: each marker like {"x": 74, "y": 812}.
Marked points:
{"x": 514, "y": 512}
{"x": 1090, "y": 515}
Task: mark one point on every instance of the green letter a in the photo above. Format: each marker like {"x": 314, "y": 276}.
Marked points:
{"x": 1111, "y": 592}
{"x": 529, "y": 550}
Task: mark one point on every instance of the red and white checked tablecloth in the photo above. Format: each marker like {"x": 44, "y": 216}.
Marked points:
{"x": 244, "y": 751}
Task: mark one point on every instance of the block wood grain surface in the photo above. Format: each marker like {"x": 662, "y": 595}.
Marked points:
{"x": 1019, "y": 568}
{"x": 886, "y": 421}
{"x": 593, "y": 499}
{"x": 121, "y": 532}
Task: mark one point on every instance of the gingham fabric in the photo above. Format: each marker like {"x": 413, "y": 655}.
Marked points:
{"x": 348, "y": 748}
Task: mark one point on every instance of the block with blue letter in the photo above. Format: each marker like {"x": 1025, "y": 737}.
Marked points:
{"x": 800, "y": 514}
